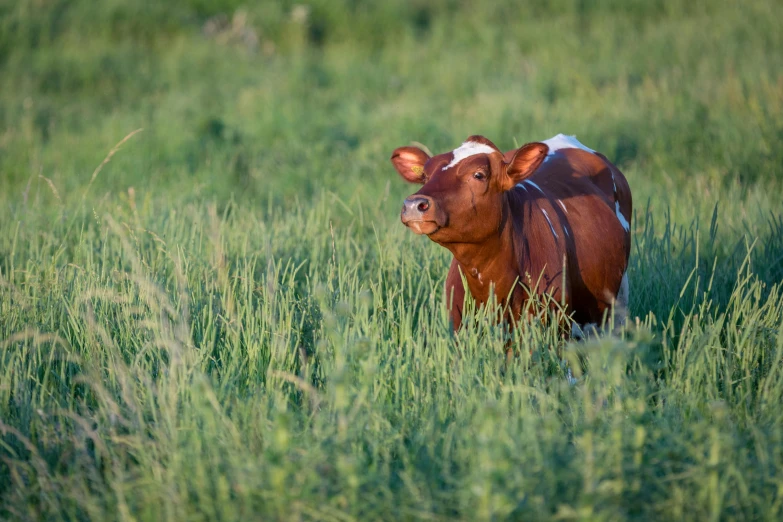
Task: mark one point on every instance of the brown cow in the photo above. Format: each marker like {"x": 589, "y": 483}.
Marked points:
{"x": 521, "y": 217}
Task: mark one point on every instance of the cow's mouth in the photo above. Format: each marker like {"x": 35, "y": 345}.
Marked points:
{"x": 422, "y": 227}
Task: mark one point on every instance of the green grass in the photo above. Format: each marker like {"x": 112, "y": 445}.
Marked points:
{"x": 226, "y": 320}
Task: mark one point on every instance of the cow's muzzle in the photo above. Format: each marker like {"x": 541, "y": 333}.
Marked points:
{"x": 418, "y": 214}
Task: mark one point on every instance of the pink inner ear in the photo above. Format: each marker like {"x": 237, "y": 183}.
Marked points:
{"x": 526, "y": 161}
{"x": 409, "y": 162}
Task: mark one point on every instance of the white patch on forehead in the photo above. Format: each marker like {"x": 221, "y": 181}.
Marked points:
{"x": 620, "y": 216}
{"x": 561, "y": 141}
{"x": 466, "y": 150}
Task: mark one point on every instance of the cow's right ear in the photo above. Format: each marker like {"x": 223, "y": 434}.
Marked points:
{"x": 409, "y": 162}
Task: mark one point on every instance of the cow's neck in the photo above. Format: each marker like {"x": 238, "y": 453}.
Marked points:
{"x": 491, "y": 261}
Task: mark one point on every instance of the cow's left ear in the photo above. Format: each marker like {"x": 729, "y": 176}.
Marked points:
{"x": 524, "y": 163}
{"x": 409, "y": 162}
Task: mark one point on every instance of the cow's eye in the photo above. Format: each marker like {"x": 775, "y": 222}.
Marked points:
{"x": 479, "y": 175}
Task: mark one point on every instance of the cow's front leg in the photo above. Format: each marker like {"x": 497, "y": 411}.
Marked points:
{"x": 455, "y": 296}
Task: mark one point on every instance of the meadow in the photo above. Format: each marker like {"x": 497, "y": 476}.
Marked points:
{"x": 209, "y": 309}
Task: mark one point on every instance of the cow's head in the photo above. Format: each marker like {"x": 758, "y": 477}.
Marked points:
{"x": 462, "y": 197}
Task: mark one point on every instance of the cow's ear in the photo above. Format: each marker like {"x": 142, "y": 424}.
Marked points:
{"x": 524, "y": 163}
{"x": 409, "y": 162}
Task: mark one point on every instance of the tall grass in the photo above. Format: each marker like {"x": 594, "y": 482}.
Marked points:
{"x": 226, "y": 321}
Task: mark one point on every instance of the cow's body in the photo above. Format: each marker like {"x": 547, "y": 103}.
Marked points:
{"x": 570, "y": 211}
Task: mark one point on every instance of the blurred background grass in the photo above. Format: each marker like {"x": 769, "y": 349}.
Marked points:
{"x": 228, "y": 321}
{"x": 230, "y": 93}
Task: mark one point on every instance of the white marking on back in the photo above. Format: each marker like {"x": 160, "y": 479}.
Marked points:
{"x": 532, "y": 184}
{"x": 563, "y": 206}
{"x": 550, "y": 224}
{"x": 468, "y": 149}
{"x": 561, "y": 141}
{"x": 620, "y": 216}
{"x": 556, "y": 143}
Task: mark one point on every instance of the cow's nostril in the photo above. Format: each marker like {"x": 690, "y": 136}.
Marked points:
{"x": 416, "y": 206}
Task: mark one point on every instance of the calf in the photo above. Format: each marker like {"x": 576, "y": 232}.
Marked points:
{"x": 517, "y": 220}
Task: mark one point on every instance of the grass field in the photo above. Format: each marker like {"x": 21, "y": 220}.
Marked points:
{"x": 222, "y": 318}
